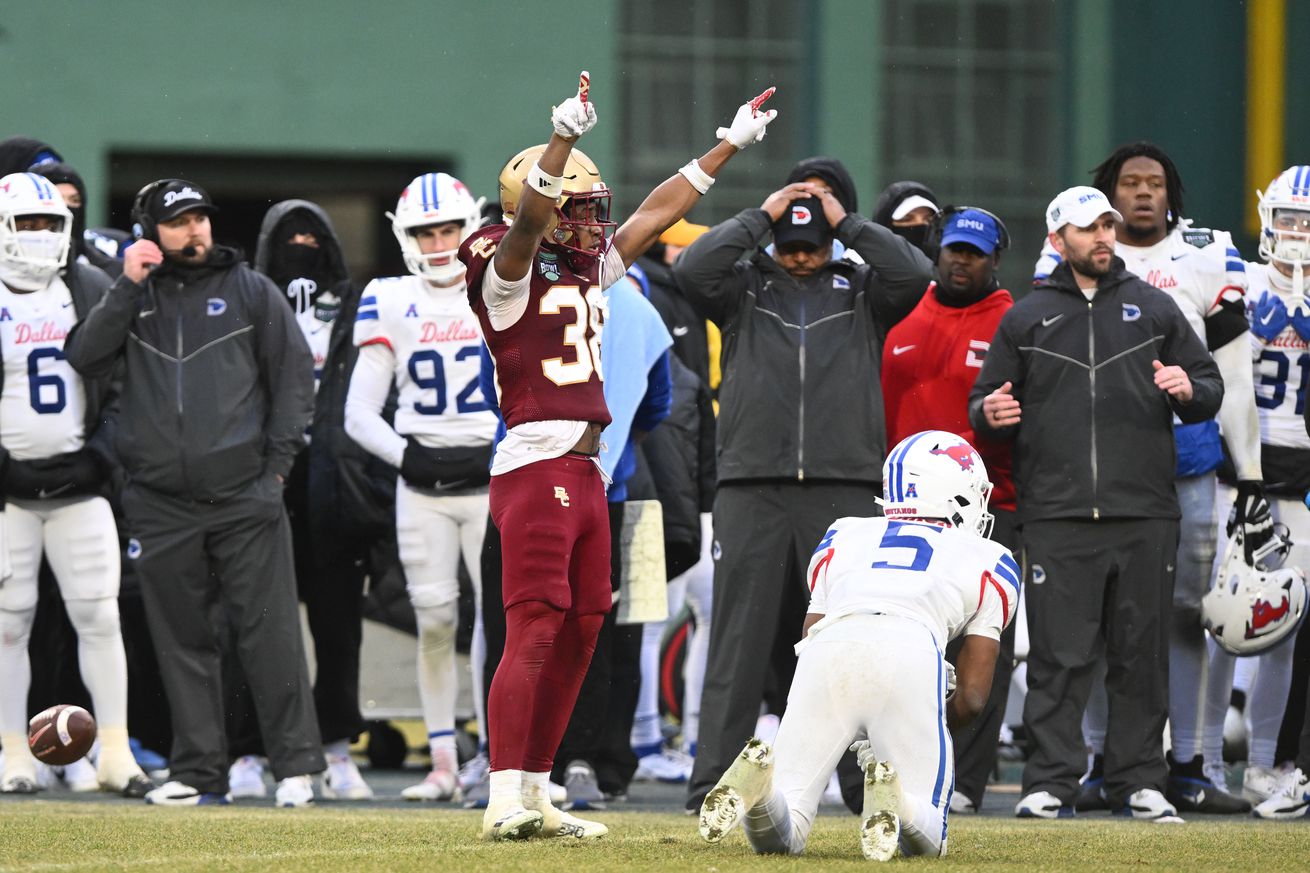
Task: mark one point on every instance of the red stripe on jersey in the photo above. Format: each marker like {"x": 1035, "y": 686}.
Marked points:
{"x": 988, "y": 578}
{"x": 823, "y": 562}
{"x": 377, "y": 340}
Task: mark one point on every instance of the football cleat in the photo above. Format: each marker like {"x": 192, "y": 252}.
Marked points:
{"x": 294, "y": 792}
{"x": 557, "y": 823}
{"x": 962, "y": 805}
{"x": 1042, "y": 804}
{"x": 1260, "y": 783}
{"x": 1290, "y": 800}
{"x": 1149, "y": 805}
{"x": 343, "y": 781}
{"x": 747, "y": 781}
{"x": 473, "y": 771}
{"x": 880, "y": 828}
{"x": 180, "y": 794}
{"x": 583, "y": 789}
{"x": 666, "y": 765}
{"x": 1190, "y": 790}
{"x": 245, "y": 777}
{"x": 510, "y": 821}
{"x": 437, "y": 785}
{"x": 18, "y": 784}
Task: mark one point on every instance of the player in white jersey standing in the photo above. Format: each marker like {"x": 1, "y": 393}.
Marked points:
{"x": 419, "y": 331}
{"x": 53, "y": 480}
{"x": 886, "y": 595}
{"x": 1205, "y": 275}
{"x": 1279, "y": 310}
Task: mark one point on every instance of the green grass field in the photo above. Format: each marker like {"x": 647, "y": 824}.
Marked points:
{"x": 50, "y": 835}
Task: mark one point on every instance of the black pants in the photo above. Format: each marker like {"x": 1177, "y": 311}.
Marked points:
{"x": 1098, "y": 588}
{"x": 199, "y": 562}
{"x": 764, "y": 535}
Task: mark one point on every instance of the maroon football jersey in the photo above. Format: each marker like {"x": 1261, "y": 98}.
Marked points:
{"x": 548, "y": 362}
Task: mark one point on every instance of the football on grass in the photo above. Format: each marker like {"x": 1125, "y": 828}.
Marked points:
{"x": 61, "y": 734}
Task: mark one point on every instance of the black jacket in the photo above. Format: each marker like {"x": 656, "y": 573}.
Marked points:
{"x": 800, "y": 398}
{"x": 346, "y": 490}
{"x": 218, "y": 381}
{"x": 1096, "y": 438}
{"x": 685, "y": 324}
{"x": 680, "y": 453}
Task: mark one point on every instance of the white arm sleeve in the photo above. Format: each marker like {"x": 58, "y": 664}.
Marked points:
{"x": 506, "y": 301}
{"x": 612, "y": 269}
{"x": 369, "y": 385}
{"x": 1237, "y": 415}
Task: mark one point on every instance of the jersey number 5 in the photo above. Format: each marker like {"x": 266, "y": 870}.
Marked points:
{"x": 586, "y": 352}
{"x": 892, "y": 538}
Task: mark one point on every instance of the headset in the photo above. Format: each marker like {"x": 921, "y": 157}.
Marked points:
{"x": 938, "y": 226}
{"x": 144, "y": 225}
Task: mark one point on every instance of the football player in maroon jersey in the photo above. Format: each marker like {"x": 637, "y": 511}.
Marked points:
{"x": 537, "y": 287}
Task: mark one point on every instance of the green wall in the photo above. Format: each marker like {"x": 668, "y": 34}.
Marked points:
{"x": 396, "y": 79}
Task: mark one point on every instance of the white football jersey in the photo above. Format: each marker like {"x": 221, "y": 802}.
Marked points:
{"x": 318, "y": 334}
{"x": 437, "y": 343}
{"x": 950, "y": 580}
{"x": 1199, "y": 268}
{"x": 1282, "y": 366}
{"x": 43, "y": 406}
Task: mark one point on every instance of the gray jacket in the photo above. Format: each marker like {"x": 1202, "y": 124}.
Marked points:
{"x": 219, "y": 383}
{"x": 801, "y": 397}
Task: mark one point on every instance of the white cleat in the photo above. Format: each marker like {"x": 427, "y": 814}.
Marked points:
{"x": 510, "y": 821}
{"x": 437, "y": 785}
{"x": 1042, "y": 804}
{"x": 343, "y": 781}
{"x": 245, "y": 778}
{"x": 295, "y": 792}
{"x": 1261, "y": 783}
{"x": 880, "y": 828}
{"x": 80, "y": 776}
{"x": 557, "y": 823}
{"x": 1150, "y": 805}
{"x": 747, "y": 781}
{"x": 1290, "y": 800}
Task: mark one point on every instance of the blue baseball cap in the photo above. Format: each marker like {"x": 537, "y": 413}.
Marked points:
{"x": 975, "y": 227}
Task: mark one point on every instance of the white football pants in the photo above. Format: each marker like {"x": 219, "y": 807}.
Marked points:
{"x": 432, "y": 532}
{"x": 875, "y": 675}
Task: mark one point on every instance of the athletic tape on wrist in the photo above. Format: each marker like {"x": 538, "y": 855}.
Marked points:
{"x": 699, "y": 179}
{"x": 544, "y": 183}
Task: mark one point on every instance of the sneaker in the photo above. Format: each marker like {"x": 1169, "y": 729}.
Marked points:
{"x": 666, "y": 765}
{"x": 1149, "y": 804}
{"x": 880, "y": 828}
{"x": 1042, "y": 804}
{"x": 19, "y": 783}
{"x": 1260, "y": 783}
{"x": 343, "y": 781}
{"x": 476, "y": 797}
{"x": 747, "y": 781}
{"x": 510, "y": 821}
{"x": 1190, "y": 790}
{"x": 583, "y": 792}
{"x": 80, "y": 776}
{"x": 557, "y": 823}
{"x": 179, "y": 794}
{"x": 473, "y": 771}
{"x": 1091, "y": 788}
{"x": 961, "y": 805}
{"x": 137, "y": 786}
{"x": 294, "y": 792}
{"x": 1290, "y": 800}
{"x": 245, "y": 778}
{"x": 437, "y": 785}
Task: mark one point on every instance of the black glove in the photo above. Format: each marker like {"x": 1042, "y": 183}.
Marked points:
{"x": 1252, "y": 517}
{"x": 445, "y": 469}
{"x": 67, "y": 475}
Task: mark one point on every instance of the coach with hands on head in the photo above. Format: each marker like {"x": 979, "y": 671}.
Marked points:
{"x": 1085, "y": 374}
{"x": 217, "y": 392}
{"x": 800, "y": 430}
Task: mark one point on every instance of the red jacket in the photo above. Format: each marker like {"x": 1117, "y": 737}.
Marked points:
{"x": 929, "y": 362}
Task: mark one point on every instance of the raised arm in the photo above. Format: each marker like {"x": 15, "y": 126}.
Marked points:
{"x": 97, "y": 340}
{"x": 675, "y": 196}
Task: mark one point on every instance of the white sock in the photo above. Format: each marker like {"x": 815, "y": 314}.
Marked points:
{"x": 536, "y": 788}
{"x": 441, "y": 745}
{"x": 1267, "y": 701}
{"x": 646, "y": 720}
{"x": 506, "y": 786}
{"x": 769, "y": 827}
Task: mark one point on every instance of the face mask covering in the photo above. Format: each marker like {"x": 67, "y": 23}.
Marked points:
{"x": 916, "y": 234}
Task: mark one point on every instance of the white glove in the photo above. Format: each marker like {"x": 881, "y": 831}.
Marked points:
{"x": 576, "y": 115}
{"x": 863, "y": 753}
{"x": 950, "y": 679}
{"x": 749, "y": 123}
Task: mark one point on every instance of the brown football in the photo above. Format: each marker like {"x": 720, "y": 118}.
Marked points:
{"x": 61, "y": 734}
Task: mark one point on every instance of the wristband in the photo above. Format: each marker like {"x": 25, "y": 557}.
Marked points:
{"x": 699, "y": 179}
{"x": 545, "y": 184}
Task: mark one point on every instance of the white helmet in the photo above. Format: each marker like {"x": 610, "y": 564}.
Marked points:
{"x": 937, "y": 475}
{"x": 434, "y": 198}
{"x": 1290, "y": 191}
{"x": 1250, "y": 610}
{"x": 29, "y": 259}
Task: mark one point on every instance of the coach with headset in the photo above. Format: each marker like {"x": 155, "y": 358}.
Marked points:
{"x": 217, "y": 393}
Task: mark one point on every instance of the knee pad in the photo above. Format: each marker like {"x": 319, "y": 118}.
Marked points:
{"x": 16, "y": 627}
{"x": 94, "y": 619}
{"x": 436, "y": 624}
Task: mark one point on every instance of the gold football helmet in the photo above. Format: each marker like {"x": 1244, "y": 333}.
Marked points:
{"x": 584, "y": 202}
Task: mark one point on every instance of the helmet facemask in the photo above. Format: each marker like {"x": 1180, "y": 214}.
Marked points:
{"x": 584, "y": 229}
{"x": 1284, "y": 209}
